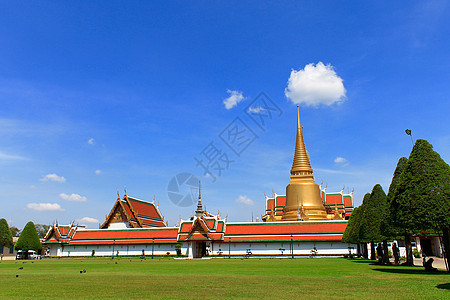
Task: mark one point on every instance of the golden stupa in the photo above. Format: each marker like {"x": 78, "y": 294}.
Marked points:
{"x": 302, "y": 193}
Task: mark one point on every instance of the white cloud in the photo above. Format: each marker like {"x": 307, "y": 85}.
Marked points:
{"x": 233, "y": 100}
{"x": 340, "y": 160}
{"x": 255, "y": 110}
{"x": 87, "y": 220}
{"x": 53, "y": 177}
{"x": 245, "y": 200}
{"x": 45, "y": 206}
{"x": 4, "y": 156}
{"x": 91, "y": 141}
{"x": 315, "y": 85}
{"x": 98, "y": 172}
{"x": 73, "y": 197}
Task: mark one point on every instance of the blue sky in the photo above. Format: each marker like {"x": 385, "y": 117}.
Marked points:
{"x": 97, "y": 95}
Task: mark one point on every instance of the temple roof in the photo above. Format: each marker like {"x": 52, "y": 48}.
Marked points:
{"x": 147, "y": 212}
{"x": 135, "y": 212}
{"x": 60, "y": 233}
{"x": 205, "y": 229}
{"x": 284, "y": 231}
{"x": 202, "y": 228}
{"x": 337, "y": 200}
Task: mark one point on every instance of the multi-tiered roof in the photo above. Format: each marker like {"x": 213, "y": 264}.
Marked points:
{"x": 135, "y": 213}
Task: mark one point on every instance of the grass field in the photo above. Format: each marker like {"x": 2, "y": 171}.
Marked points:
{"x": 217, "y": 278}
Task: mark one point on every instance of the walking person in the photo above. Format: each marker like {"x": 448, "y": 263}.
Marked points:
{"x": 380, "y": 253}
{"x": 396, "y": 253}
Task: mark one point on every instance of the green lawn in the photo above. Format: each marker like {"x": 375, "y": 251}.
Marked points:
{"x": 217, "y": 278}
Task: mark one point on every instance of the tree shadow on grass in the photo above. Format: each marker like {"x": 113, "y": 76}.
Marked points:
{"x": 444, "y": 286}
{"x": 365, "y": 261}
{"x": 418, "y": 271}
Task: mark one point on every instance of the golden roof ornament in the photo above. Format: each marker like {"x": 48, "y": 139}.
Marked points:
{"x": 302, "y": 192}
{"x": 199, "y": 210}
{"x": 301, "y": 164}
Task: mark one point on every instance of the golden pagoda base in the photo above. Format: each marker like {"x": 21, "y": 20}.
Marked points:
{"x": 303, "y": 198}
{"x": 312, "y": 215}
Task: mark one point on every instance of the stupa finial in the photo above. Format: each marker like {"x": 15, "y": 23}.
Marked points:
{"x": 301, "y": 164}
{"x": 199, "y": 210}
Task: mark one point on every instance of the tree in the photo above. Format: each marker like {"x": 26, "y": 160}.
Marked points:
{"x": 374, "y": 210}
{"x": 388, "y": 225}
{"x": 353, "y": 230}
{"x": 15, "y": 231}
{"x": 351, "y": 233}
{"x": 396, "y": 177}
{"x": 421, "y": 200}
{"x": 5, "y": 235}
{"x": 388, "y": 229}
{"x": 29, "y": 239}
{"x": 42, "y": 230}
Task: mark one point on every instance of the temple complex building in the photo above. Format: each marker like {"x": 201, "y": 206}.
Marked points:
{"x": 305, "y": 220}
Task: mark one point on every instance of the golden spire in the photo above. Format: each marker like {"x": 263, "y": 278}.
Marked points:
{"x": 302, "y": 190}
{"x": 301, "y": 164}
{"x": 199, "y": 210}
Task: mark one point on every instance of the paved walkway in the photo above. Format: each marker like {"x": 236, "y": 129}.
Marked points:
{"x": 9, "y": 257}
{"x": 438, "y": 263}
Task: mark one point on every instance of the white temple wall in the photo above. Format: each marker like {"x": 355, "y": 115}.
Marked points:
{"x": 274, "y": 248}
{"x": 119, "y": 225}
{"x": 107, "y": 250}
{"x": 270, "y": 249}
{"x": 53, "y": 250}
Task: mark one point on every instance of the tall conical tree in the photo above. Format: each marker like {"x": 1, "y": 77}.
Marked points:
{"x": 374, "y": 211}
{"x": 29, "y": 239}
{"x": 351, "y": 234}
{"x": 421, "y": 200}
{"x": 396, "y": 177}
{"x": 388, "y": 229}
{"x": 5, "y": 235}
{"x": 352, "y": 231}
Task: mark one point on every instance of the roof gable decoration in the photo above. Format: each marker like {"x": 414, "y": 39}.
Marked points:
{"x": 119, "y": 214}
{"x": 60, "y": 234}
{"x": 52, "y": 233}
{"x": 126, "y": 201}
{"x": 202, "y": 225}
{"x": 202, "y": 228}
